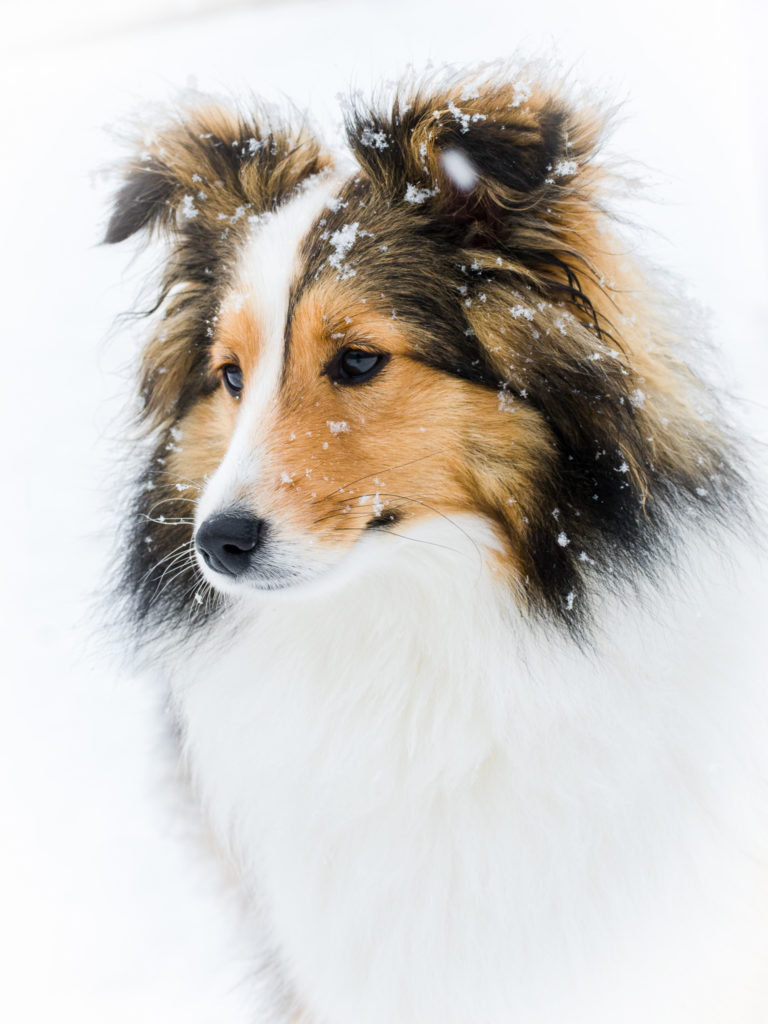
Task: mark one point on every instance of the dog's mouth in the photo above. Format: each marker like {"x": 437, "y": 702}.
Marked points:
{"x": 239, "y": 553}
{"x": 265, "y": 568}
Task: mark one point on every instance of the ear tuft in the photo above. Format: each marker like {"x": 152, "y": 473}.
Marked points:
{"x": 139, "y": 203}
{"x": 202, "y": 178}
{"x": 212, "y": 165}
{"x": 474, "y": 153}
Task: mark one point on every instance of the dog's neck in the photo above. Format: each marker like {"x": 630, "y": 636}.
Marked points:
{"x": 408, "y": 721}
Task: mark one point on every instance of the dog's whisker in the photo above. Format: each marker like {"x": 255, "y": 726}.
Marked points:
{"x": 173, "y": 560}
{"x": 365, "y": 511}
{"x": 163, "y": 521}
{"x": 355, "y": 510}
{"x": 156, "y": 565}
{"x": 172, "y": 500}
{"x": 183, "y": 483}
{"x": 197, "y": 593}
{"x": 181, "y": 560}
{"x": 437, "y": 512}
{"x": 379, "y": 472}
{"x": 387, "y": 532}
{"x": 164, "y": 584}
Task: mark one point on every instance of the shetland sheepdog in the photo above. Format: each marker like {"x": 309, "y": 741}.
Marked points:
{"x": 440, "y": 547}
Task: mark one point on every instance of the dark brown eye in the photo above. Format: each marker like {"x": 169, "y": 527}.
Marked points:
{"x": 232, "y": 376}
{"x": 356, "y": 365}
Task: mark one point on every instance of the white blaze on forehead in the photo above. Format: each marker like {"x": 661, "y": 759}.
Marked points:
{"x": 270, "y": 263}
{"x": 268, "y": 266}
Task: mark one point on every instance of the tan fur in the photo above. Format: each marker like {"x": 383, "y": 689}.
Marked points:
{"x": 221, "y": 195}
{"x": 237, "y": 338}
{"x": 203, "y": 436}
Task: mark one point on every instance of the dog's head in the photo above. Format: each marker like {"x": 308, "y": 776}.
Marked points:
{"x": 447, "y": 331}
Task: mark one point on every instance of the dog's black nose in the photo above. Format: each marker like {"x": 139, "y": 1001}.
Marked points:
{"x": 227, "y": 542}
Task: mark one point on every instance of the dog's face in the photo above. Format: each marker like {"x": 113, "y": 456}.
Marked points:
{"x": 341, "y": 359}
{"x": 329, "y": 423}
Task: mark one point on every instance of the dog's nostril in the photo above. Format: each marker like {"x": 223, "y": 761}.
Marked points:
{"x": 236, "y": 549}
{"x": 227, "y": 542}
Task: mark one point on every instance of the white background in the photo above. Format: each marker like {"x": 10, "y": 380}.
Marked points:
{"x": 110, "y": 907}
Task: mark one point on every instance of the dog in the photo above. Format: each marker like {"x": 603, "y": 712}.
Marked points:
{"x": 440, "y": 546}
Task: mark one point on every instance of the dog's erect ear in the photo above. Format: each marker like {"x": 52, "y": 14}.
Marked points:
{"x": 202, "y": 179}
{"x": 143, "y": 199}
{"x": 211, "y": 166}
{"x": 479, "y": 157}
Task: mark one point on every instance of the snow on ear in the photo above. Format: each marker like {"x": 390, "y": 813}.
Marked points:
{"x": 207, "y": 168}
{"x": 202, "y": 178}
{"x": 480, "y": 156}
{"x": 459, "y": 169}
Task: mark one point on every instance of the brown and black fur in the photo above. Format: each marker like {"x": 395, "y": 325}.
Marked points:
{"x": 609, "y": 443}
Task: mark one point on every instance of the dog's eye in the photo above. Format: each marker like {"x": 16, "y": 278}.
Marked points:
{"x": 356, "y": 365}
{"x": 232, "y": 376}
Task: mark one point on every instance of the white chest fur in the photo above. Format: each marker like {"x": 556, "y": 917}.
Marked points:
{"x": 453, "y": 818}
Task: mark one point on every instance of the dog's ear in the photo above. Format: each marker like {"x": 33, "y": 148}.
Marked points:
{"x": 210, "y": 167}
{"x": 142, "y": 200}
{"x": 504, "y": 172}
{"x": 202, "y": 179}
{"x": 503, "y": 180}
{"x": 479, "y": 158}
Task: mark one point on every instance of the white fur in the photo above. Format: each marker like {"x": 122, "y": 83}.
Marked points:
{"x": 452, "y": 817}
{"x": 267, "y": 268}
{"x": 449, "y": 816}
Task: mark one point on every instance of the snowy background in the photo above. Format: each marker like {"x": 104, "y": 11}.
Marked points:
{"x": 110, "y": 907}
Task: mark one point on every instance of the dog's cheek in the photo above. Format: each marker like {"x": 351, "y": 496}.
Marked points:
{"x": 200, "y": 441}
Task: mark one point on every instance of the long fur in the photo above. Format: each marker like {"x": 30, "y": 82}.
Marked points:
{"x": 468, "y": 726}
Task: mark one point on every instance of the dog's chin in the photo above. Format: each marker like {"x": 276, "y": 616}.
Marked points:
{"x": 273, "y": 580}
{"x": 301, "y": 575}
